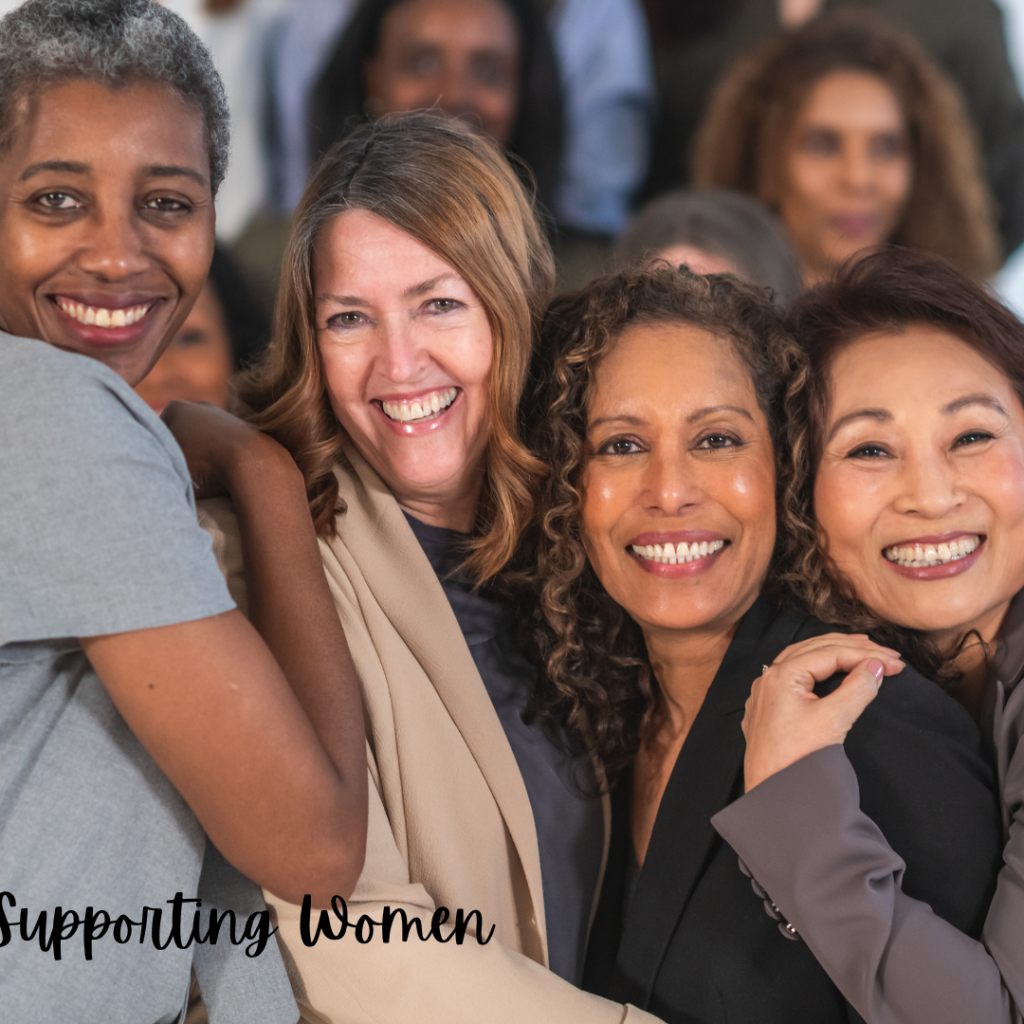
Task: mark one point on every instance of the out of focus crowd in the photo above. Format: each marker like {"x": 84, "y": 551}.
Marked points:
{"x": 773, "y": 138}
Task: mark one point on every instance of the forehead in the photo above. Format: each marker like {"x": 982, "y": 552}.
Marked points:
{"x": 362, "y": 253}
{"x": 110, "y": 130}
{"x": 659, "y": 369}
{"x": 475, "y": 24}
{"x": 852, "y": 99}
{"x": 913, "y": 369}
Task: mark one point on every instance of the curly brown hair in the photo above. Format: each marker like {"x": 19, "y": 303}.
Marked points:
{"x": 887, "y": 289}
{"x": 741, "y": 139}
{"x": 454, "y": 192}
{"x": 598, "y": 681}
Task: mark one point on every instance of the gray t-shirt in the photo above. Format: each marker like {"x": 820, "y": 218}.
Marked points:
{"x": 98, "y": 535}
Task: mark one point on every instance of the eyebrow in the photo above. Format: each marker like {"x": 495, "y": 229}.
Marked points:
{"x": 884, "y": 416}
{"x": 963, "y": 403}
{"x": 636, "y": 421}
{"x": 73, "y": 167}
{"x": 410, "y": 293}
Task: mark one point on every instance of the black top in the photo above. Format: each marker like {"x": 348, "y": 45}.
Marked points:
{"x": 696, "y": 944}
{"x": 570, "y": 825}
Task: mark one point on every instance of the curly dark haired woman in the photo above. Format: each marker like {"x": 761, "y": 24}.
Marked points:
{"x": 657, "y": 528}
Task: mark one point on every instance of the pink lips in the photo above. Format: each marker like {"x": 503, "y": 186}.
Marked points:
{"x": 109, "y": 337}
{"x": 937, "y": 572}
{"x": 674, "y": 537}
{"x": 415, "y": 429}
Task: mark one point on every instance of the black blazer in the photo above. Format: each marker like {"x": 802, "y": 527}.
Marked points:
{"x": 697, "y": 944}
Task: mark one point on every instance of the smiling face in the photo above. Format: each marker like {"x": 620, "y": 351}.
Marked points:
{"x": 920, "y": 490}
{"x": 679, "y": 489}
{"x": 406, "y": 348}
{"x": 462, "y": 55}
{"x": 847, "y": 172}
{"x": 106, "y": 221}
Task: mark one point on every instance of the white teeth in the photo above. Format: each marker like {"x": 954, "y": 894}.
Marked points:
{"x": 918, "y": 556}
{"x": 421, "y": 408}
{"x": 100, "y": 316}
{"x": 668, "y": 554}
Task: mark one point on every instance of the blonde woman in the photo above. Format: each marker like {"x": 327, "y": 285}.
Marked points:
{"x": 415, "y": 275}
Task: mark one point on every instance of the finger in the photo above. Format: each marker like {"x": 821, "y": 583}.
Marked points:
{"x": 847, "y": 702}
{"x": 856, "y": 640}
{"x": 826, "y": 661}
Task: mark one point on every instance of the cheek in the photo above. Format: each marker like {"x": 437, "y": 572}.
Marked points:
{"x": 845, "y": 507}
{"x": 897, "y": 182}
{"x": 345, "y": 371}
{"x": 604, "y": 499}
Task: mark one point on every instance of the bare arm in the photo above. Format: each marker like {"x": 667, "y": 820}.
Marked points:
{"x": 279, "y": 787}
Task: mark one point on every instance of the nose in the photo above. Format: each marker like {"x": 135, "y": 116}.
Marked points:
{"x": 671, "y": 486}
{"x": 856, "y": 169}
{"x": 928, "y": 487}
{"x": 115, "y": 247}
{"x": 457, "y": 95}
{"x": 401, "y": 358}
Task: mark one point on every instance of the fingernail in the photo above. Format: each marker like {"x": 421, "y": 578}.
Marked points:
{"x": 876, "y": 668}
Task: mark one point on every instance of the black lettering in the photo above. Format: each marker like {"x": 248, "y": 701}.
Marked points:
{"x": 257, "y": 928}
{"x": 176, "y": 908}
{"x": 462, "y": 920}
{"x": 5, "y": 925}
{"x": 40, "y": 928}
{"x": 388, "y": 919}
{"x": 61, "y": 924}
{"x": 323, "y": 922}
{"x": 89, "y": 933}
{"x": 216, "y": 922}
{"x": 124, "y": 919}
{"x": 439, "y": 918}
{"x": 365, "y": 919}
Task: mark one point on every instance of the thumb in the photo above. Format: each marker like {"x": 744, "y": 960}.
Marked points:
{"x": 848, "y": 701}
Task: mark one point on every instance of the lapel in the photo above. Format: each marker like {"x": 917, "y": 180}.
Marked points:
{"x": 701, "y": 784}
{"x": 376, "y": 535}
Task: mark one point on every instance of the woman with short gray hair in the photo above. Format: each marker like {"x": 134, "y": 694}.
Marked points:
{"x": 139, "y": 710}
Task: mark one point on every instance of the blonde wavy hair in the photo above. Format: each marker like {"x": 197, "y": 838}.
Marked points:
{"x": 740, "y": 144}
{"x": 454, "y": 192}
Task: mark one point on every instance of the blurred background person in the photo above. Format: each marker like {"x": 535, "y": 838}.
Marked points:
{"x": 227, "y": 331}
{"x": 696, "y": 40}
{"x": 714, "y": 231}
{"x": 489, "y": 62}
{"x": 849, "y": 131}
{"x": 604, "y": 66}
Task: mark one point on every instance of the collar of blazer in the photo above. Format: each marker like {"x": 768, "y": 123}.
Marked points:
{"x": 704, "y": 776}
{"x": 375, "y": 534}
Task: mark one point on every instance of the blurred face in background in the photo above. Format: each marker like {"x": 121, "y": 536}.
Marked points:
{"x": 846, "y": 170}
{"x": 198, "y": 364}
{"x": 462, "y": 55}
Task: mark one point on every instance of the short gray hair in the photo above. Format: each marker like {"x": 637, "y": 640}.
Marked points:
{"x": 115, "y": 43}
{"x": 731, "y": 225}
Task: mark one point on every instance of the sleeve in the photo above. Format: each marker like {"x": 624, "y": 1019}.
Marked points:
{"x": 829, "y": 869}
{"x": 98, "y": 532}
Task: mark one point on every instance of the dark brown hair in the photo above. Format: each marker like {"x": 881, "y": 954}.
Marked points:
{"x": 887, "y": 289}
{"x": 598, "y": 681}
{"x": 742, "y": 137}
{"x": 455, "y": 193}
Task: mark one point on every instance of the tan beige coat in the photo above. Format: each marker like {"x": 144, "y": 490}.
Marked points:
{"x": 450, "y": 819}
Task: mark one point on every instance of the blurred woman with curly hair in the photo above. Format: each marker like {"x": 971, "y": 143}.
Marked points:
{"x": 852, "y": 134}
{"x": 661, "y": 416}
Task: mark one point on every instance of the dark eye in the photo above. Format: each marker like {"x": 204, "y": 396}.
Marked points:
{"x": 868, "y": 451}
{"x": 165, "y": 204}
{"x": 620, "y": 446}
{"x": 442, "y": 305}
{"x": 972, "y": 437}
{"x": 715, "y": 442}
{"x": 58, "y": 201}
{"x": 820, "y": 142}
